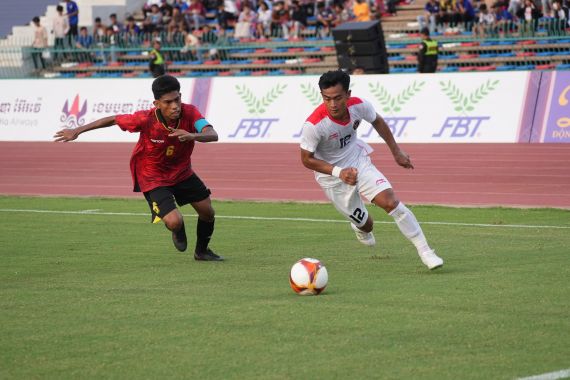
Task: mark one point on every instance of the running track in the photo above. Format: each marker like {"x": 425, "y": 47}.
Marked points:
{"x": 527, "y": 175}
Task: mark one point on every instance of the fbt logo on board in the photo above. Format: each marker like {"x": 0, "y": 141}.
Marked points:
{"x": 391, "y": 104}
{"x": 464, "y": 126}
{"x": 256, "y": 127}
{"x": 252, "y": 128}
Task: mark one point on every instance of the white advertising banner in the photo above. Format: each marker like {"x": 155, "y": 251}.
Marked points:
{"x": 419, "y": 108}
{"x": 459, "y": 108}
{"x": 33, "y": 110}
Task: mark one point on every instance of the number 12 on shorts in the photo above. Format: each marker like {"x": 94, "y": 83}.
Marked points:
{"x": 358, "y": 215}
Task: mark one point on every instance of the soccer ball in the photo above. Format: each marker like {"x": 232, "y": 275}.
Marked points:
{"x": 308, "y": 277}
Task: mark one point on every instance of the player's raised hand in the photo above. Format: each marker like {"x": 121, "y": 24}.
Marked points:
{"x": 65, "y": 135}
{"x": 349, "y": 176}
{"x": 403, "y": 159}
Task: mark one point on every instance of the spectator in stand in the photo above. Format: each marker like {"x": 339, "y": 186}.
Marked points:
{"x": 147, "y": 6}
{"x": 342, "y": 14}
{"x": 166, "y": 10}
{"x": 195, "y": 14}
{"x": 431, "y": 16}
{"x": 73, "y": 17}
{"x": 39, "y": 44}
{"x": 132, "y": 32}
{"x": 153, "y": 20}
{"x": 115, "y": 24}
{"x": 514, "y": 6}
{"x": 361, "y": 11}
{"x": 60, "y": 29}
{"x": 110, "y": 42}
{"x": 467, "y": 13}
{"x": 503, "y": 20}
{"x": 191, "y": 46}
{"x": 485, "y": 23}
{"x": 325, "y": 19}
{"x": 529, "y": 14}
{"x": 84, "y": 41}
{"x": 244, "y": 25}
{"x": 177, "y": 21}
{"x": 298, "y": 19}
{"x": 560, "y": 16}
{"x": 448, "y": 14}
{"x": 224, "y": 19}
{"x": 98, "y": 30}
{"x": 280, "y": 20}
{"x": 263, "y": 20}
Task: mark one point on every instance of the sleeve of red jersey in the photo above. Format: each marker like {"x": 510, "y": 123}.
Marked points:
{"x": 199, "y": 121}
{"x": 133, "y": 122}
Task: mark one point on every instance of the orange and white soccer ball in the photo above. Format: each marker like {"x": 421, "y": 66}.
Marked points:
{"x": 308, "y": 277}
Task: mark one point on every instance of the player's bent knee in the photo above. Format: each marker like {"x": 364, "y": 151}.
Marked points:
{"x": 173, "y": 220}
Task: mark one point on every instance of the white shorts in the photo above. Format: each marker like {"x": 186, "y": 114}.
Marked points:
{"x": 347, "y": 199}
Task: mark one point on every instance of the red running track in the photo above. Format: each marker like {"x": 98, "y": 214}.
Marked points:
{"x": 527, "y": 175}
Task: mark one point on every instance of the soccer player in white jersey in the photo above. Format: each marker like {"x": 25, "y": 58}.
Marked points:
{"x": 343, "y": 169}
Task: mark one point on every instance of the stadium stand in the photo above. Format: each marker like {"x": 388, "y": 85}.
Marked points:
{"x": 213, "y": 49}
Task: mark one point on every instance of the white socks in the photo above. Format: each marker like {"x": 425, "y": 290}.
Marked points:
{"x": 408, "y": 224}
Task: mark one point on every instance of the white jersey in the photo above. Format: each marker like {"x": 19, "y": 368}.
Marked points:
{"x": 335, "y": 142}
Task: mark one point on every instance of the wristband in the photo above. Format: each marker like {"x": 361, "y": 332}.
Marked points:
{"x": 336, "y": 171}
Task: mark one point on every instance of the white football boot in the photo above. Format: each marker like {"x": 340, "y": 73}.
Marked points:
{"x": 431, "y": 260}
{"x": 366, "y": 238}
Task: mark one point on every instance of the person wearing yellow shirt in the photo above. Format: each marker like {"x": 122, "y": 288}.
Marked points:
{"x": 361, "y": 10}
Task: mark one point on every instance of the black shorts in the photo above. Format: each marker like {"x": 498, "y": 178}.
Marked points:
{"x": 162, "y": 200}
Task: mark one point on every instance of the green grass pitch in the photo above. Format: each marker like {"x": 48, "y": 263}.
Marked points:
{"x": 104, "y": 294}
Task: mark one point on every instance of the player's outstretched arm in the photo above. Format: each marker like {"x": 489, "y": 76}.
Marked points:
{"x": 384, "y": 131}
{"x": 208, "y": 134}
{"x": 347, "y": 175}
{"x": 71, "y": 134}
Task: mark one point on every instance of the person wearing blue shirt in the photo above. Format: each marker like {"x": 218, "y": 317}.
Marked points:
{"x": 73, "y": 17}
{"x": 467, "y": 13}
{"x": 84, "y": 41}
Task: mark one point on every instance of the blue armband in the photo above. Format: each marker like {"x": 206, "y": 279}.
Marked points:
{"x": 200, "y": 124}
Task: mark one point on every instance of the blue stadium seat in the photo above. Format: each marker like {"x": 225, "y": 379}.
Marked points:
{"x": 450, "y": 69}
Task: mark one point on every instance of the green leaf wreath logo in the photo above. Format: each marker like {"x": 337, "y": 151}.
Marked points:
{"x": 259, "y": 106}
{"x": 394, "y": 104}
{"x": 462, "y": 102}
{"x": 312, "y": 94}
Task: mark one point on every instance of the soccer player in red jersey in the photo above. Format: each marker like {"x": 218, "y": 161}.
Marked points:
{"x": 161, "y": 161}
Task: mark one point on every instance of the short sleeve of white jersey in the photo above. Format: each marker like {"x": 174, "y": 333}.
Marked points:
{"x": 309, "y": 137}
{"x": 368, "y": 111}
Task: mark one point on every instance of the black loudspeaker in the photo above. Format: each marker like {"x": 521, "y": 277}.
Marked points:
{"x": 361, "y": 44}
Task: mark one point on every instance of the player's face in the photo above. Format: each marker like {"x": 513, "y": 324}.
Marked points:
{"x": 335, "y": 99}
{"x": 170, "y": 105}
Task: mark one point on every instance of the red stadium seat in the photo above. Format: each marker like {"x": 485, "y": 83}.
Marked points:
{"x": 259, "y": 73}
{"x": 263, "y": 50}
{"x": 526, "y": 42}
{"x": 467, "y": 68}
{"x": 549, "y": 66}
{"x": 468, "y": 56}
{"x": 474, "y": 43}
{"x": 295, "y": 50}
{"x": 226, "y": 73}
{"x": 486, "y": 68}
{"x": 261, "y": 61}
{"x": 526, "y": 54}
{"x": 212, "y": 62}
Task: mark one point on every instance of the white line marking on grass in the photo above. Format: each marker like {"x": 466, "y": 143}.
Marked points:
{"x": 95, "y": 212}
{"x": 549, "y": 376}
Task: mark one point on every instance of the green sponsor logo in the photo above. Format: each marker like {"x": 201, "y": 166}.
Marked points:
{"x": 312, "y": 94}
{"x": 392, "y": 104}
{"x": 462, "y": 102}
{"x": 258, "y": 106}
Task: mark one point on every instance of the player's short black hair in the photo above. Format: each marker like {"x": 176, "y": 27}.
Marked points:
{"x": 164, "y": 84}
{"x": 332, "y": 78}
